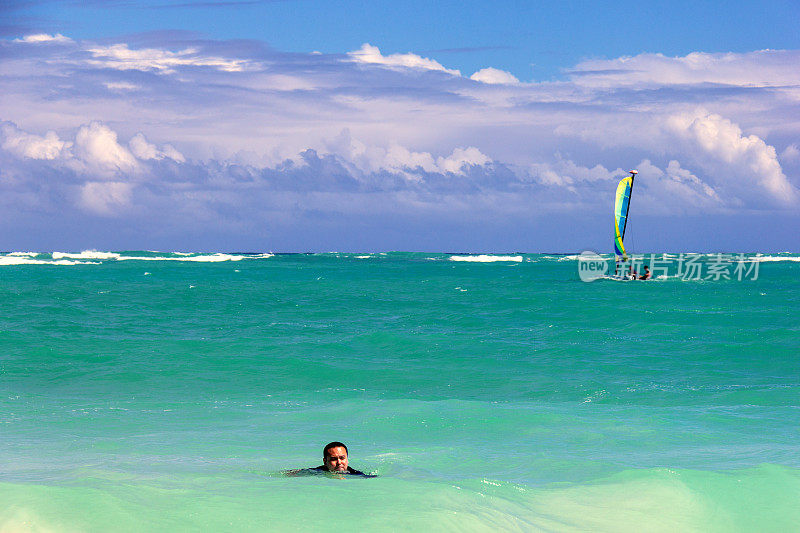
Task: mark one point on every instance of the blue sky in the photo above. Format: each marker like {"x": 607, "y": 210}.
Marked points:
{"x": 305, "y": 126}
{"x": 531, "y": 39}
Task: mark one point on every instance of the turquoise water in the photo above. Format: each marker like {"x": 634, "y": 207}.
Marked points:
{"x": 145, "y": 391}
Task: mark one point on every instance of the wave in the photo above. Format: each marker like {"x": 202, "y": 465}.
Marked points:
{"x": 87, "y": 254}
{"x": 486, "y": 258}
{"x": 774, "y": 258}
{"x": 761, "y": 498}
{"x": 94, "y": 257}
{"x": 10, "y": 260}
{"x": 211, "y": 258}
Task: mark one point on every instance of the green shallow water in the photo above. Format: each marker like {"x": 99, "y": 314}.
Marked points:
{"x": 161, "y": 394}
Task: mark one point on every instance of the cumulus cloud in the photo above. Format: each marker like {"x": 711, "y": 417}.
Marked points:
{"x": 677, "y": 182}
{"x": 492, "y": 75}
{"x": 97, "y": 147}
{"x": 105, "y": 197}
{"x": 722, "y": 140}
{"x": 372, "y": 55}
{"x": 32, "y": 146}
{"x": 319, "y": 135}
{"x": 566, "y": 173}
{"x": 144, "y": 150}
{"x": 462, "y": 158}
{"x": 363, "y": 158}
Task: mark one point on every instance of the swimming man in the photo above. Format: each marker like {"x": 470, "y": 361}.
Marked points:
{"x": 334, "y": 460}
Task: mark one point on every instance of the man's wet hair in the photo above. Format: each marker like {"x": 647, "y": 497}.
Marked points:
{"x": 334, "y": 444}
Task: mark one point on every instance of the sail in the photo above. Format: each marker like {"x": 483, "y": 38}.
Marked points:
{"x": 621, "y": 214}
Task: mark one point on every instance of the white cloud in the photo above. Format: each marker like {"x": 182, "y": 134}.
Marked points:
{"x": 397, "y": 158}
{"x": 105, "y": 197}
{"x": 276, "y": 142}
{"x": 460, "y": 159}
{"x": 743, "y": 169}
{"x": 44, "y": 38}
{"x": 97, "y": 147}
{"x": 753, "y": 69}
{"x": 120, "y": 86}
{"x": 790, "y": 153}
{"x": 747, "y": 156}
{"x": 372, "y": 55}
{"x": 400, "y": 158}
{"x": 567, "y": 172}
{"x": 120, "y": 57}
{"x": 685, "y": 190}
{"x": 493, "y": 76}
{"x": 144, "y": 150}
{"x": 545, "y": 175}
{"x": 32, "y": 146}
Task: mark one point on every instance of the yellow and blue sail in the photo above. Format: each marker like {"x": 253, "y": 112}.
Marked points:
{"x": 621, "y": 214}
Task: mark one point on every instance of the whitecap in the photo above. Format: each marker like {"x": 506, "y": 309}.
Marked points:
{"x": 483, "y": 258}
{"x": 86, "y": 254}
{"x": 8, "y": 261}
{"x": 213, "y": 258}
{"x": 773, "y": 258}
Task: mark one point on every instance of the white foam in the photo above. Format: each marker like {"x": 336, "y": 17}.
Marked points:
{"x": 772, "y": 258}
{"x": 24, "y": 254}
{"x": 86, "y": 254}
{"x": 486, "y": 258}
{"x": 8, "y": 261}
{"x": 213, "y": 258}
{"x": 363, "y": 257}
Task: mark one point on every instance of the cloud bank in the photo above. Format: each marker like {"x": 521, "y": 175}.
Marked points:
{"x": 236, "y": 136}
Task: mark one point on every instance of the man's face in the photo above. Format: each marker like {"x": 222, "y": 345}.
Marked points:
{"x": 336, "y": 459}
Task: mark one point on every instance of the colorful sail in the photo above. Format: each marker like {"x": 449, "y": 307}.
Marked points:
{"x": 621, "y": 213}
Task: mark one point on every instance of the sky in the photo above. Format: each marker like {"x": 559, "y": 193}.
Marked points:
{"x": 292, "y": 126}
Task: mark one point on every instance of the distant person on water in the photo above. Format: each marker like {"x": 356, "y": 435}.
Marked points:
{"x": 334, "y": 461}
{"x": 646, "y": 274}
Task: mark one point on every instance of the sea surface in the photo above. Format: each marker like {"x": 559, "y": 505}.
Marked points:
{"x": 149, "y": 391}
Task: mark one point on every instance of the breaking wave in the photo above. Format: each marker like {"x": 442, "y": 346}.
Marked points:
{"x": 483, "y": 258}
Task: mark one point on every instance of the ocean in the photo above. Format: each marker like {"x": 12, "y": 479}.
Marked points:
{"x": 147, "y": 391}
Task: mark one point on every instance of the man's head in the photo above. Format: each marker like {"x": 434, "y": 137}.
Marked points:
{"x": 334, "y": 456}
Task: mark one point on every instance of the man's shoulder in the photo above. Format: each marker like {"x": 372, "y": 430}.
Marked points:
{"x": 324, "y": 470}
{"x": 354, "y": 472}
{"x": 306, "y": 471}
